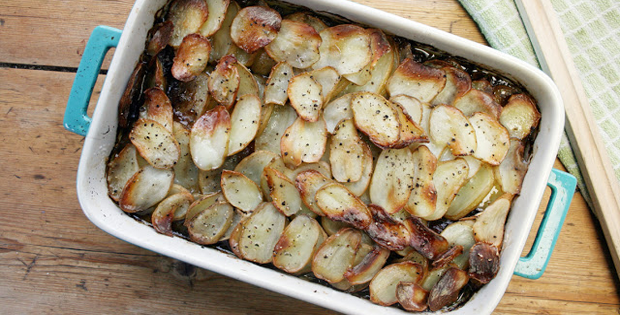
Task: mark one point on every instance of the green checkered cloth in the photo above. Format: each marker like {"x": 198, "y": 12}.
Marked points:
{"x": 592, "y": 31}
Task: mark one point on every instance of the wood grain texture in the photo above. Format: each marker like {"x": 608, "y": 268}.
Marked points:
{"x": 53, "y": 260}
{"x": 591, "y": 154}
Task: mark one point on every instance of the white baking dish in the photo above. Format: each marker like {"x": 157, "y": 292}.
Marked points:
{"x": 103, "y": 212}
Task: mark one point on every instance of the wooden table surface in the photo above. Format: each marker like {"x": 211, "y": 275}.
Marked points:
{"x": 53, "y": 260}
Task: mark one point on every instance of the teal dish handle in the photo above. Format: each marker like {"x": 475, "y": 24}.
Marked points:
{"x": 101, "y": 40}
{"x": 562, "y": 187}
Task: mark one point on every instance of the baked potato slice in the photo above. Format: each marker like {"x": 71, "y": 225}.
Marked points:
{"x": 120, "y": 169}
{"x": 392, "y": 180}
{"x": 155, "y": 143}
{"x": 209, "y": 136}
{"x": 472, "y": 193}
{"x": 475, "y": 101}
{"x": 243, "y": 123}
{"x": 416, "y": 80}
{"x": 145, "y": 189}
{"x": 255, "y": 27}
{"x": 295, "y": 249}
{"x": 492, "y": 139}
{"x": 187, "y": 16}
{"x": 345, "y": 47}
{"x": 489, "y": 225}
{"x": 259, "y": 233}
{"x": 376, "y": 117}
{"x": 303, "y": 141}
{"x": 336, "y": 255}
{"x": 383, "y": 285}
{"x": 339, "y": 204}
{"x": 449, "y": 126}
{"x": 217, "y": 14}
{"x": 208, "y": 226}
{"x": 240, "y": 191}
{"x": 297, "y": 43}
{"x": 277, "y": 85}
{"x": 519, "y": 116}
{"x": 224, "y": 81}
{"x": 511, "y": 171}
{"x": 337, "y": 110}
{"x": 306, "y": 97}
{"x": 191, "y": 57}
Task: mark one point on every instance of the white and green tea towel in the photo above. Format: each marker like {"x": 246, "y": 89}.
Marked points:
{"x": 592, "y": 31}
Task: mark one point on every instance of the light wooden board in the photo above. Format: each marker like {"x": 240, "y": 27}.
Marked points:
{"x": 53, "y": 260}
{"x": 596, "y": 168}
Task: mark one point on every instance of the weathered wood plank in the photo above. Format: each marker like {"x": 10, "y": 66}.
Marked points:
{"x": 51, "y": 254}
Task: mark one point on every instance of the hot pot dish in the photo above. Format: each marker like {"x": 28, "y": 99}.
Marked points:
{"x": 323, "y": 148}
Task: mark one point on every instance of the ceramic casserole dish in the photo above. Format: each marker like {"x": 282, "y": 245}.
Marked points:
{"x": 101, "y": 132}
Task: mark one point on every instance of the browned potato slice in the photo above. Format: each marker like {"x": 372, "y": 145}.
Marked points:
{"x": 417, "y": 80}
{"x": 155, "y": 77}
{"x": 160, "y": 36}
{"x": 244, "y": 123}
{"x": 263, "y": 63}
{"x": 187, "y": 17}
{"x": 121, "y": 169}
{"x": 238, "y": 216}
{"x": 511, "y": 171}
{"x": 483, "y": 262}
{"x": 297, "y": 43}
{"x": 520, "y": 116}
{"x": 278, "y": 165}
{"x": 255, "y": 27}
{"x": 339, "y": 204}
{"x": 208, "y": 226}
{"x": 381, "y": 68}
{"x": 448, "y": 178}
{"x": 247, "y": 82}
{"x": 332, "y": 227}
{"x": 493, "y": 140}
{"x": 432, "y": 277}
{"x": 329, "y": 80}
{"x": 260, "y": 233}
{"x": 303, "y": 142}
{"x": 281, "y": 118}
{"x": 224, "y": 81}
{"x": 446, "y": 291}
{"x": 371, "y": 263}
{"x": 387, "y": 232}
{"x": 379, "y": 45}
{"x": 359, "y": 187}
{"x": 308, "y": 183}
{"x": 321, "y": 166}
{"x": 209, "y": 139}
{"x": 335, "y": 256}
{"x": 483, "y": 85}
{"x": 265, "y": 114}
{"x": 477, "y": 101}
{"x": 448, "y": 256}
{"x": 458, "y": 82}
{"x": 449, "y": 126}
{"x": 277, "y": 85}
{"x": 411, "y": 296}
{"x": 145, "y": 188}
{"x": 376, "y": 117}
{"x": 253, "y": 165}
{"x": 240, "y": 191}
{"x": 308, "y": 18}
{"x": 285, "y": 196}
{"x": 191, "y": 99}
{"x": 460, "y": 233}
{"x": 472, "y": 193}
{"x": 345, "y": 47}
{"x": 489, "y": 226}
{"x": 306, "y": 96}
{"x": 411, "y": 106}
{"x": 158, "y": 107}
{"x": 410, "y": 131}
{"x": 166, "y": 210}
{"x": 209, "y": 181}
{"x": 301, "y": 238}
{"x": 185, "y": 172}
{"x": 155, "y": 143}
{"x": 191, "y": 58}
{"x": 201, "y": 204}
{"x": 346, "y": 153}
{"x": 424, "y": 240}
{"x": 337, "y": 110}
{"x": 221, "y": 41}
{"x": 217, "y": 14}
{"x": 392, "y": 180}
{"x": 383, "y": 285}
{"x": 423, "y": 198}
{"x": 131, "y": 95}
